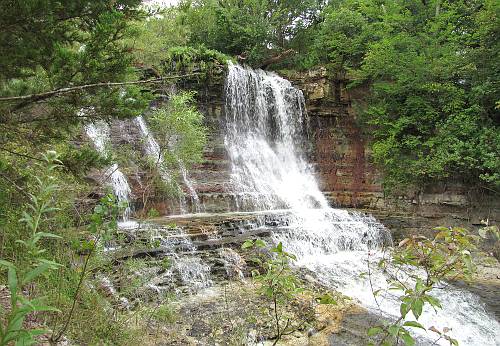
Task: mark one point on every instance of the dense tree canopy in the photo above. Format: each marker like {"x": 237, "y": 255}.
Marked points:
{"x": 431, "y": 68}
{"x": 51, "y": 45}
{"x": 433, "y": 78}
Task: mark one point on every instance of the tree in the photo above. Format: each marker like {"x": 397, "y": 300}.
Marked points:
{"x": 51, "y": 45}
{"x": 433, "y": 84}
{"x": 250, "y": 29}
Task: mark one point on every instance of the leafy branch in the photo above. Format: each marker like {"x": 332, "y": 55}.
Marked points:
{"x": 37, "y": 210}
{"x": 446, "y": 257}
{"x": 48, "y": 94}
{"x": 278, "y": 283}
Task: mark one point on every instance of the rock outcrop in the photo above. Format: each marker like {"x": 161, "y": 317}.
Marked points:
{"x": 339, "y": 149}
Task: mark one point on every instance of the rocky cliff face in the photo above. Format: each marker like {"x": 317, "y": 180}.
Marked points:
{"x": 339, "y": 150}
{"x": 350, "y": 179}
{"x": 341, "y": 154}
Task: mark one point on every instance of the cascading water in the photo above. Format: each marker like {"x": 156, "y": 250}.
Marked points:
{"x": 264, "y": 133}
{"x": 195, "y": 200}
{"x": 265, "y": 125}
{"x": 153, "y": 151}
{"x": 186, "y": 270}
{"x": 98, "y": 132}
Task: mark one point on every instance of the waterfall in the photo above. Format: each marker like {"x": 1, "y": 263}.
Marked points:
{"x": 195, "y": 200}
{"x": 265, "y": 124}
{"x": 98, "y": 132}
{"x": 154, "y": 152}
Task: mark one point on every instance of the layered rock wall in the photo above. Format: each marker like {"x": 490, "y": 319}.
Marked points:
{"x": 342, "y": 158}
{"x": 341, "y": 155}
{"x": 349, "y": 177}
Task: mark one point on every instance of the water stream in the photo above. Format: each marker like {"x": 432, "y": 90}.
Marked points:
{"x": 265, "y": 131}
{"x": 98, "y": 132}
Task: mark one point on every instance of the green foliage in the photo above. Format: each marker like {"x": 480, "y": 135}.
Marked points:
{"x": 19, "y": 276}
{"x": 51, "y": 45}
{"x": 165, "y": 313}
{"x": 156, "y": 35}
{"x": 187, "y": 59}
{"x": 68, "y": 288}
{"x": 277, "y": 282}
{"x": 152, "y": 213}
{"x": 40, "y": 207}
{"x": 447, "y": 256}
{"x": 179, "y": 130}
{"x": 433, "y": 80}
{"x": 21, "y": 307}
{"x": 327, "y": 299}
{"x": 252, "y": 29}
{"x": 34, "y": 251}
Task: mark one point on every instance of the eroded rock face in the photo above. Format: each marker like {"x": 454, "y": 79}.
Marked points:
{"x": 338, "y": 149}
{"x": 342, "y": 158}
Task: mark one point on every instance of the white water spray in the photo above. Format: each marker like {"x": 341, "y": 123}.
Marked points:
{"x": 98, "y": 132}
{"x": 265, "y": 122}
{"x": 195, "y": 200}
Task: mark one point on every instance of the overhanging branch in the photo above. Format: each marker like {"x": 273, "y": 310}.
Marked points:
{"x": 47, "y": 94}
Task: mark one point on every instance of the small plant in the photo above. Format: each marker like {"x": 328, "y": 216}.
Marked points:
{"x": 277, "y": 282}
{"x": 37, "y": 211}
{"x": 103, "y": 221}
{"x": 153, "y": 213}
{"x": 447, "y": 256}
{"x": 165, "y": 313}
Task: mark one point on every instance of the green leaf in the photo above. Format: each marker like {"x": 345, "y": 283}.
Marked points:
{"x": 12, "y": 281}
{"x": 433, "y": 301}
{"x": 40, "y": 269}
{"x": 396, "y": 286}
{"x": 408, "y": 339}
{"x": 394, "y": 330}
{"x": 247, "y": 244}
{"x": 413, "y": 324}
{"x": 416, "y": 307}
{"x": 6, "y": 264}
{"x": 374, "y": 331}
{"x": 419, "y": 286}
{"x": 260, "y": 243}
{"x": 36, "y": 332}
{"x": 403, "y": 309}
{"x": 48, "y": 235}
{"x": 279, "y": 248}
{"x": 327, "y": 299}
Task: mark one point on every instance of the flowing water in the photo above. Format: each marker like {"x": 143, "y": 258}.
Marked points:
{"x": 195, "y": 200}
{"x": 185, "y": 271}
{"x": 265, "y": 131}
{"x": 98, "y": 132}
